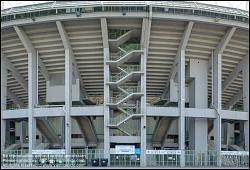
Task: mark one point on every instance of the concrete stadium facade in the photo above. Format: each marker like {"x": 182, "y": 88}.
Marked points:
{"x": 142, "y": 75}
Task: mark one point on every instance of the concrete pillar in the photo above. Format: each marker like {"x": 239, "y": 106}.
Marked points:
{"x": 22, "y": 132}
{"x": 227, "y": 134}
{"x": 68, "y": 99}
{"x": 143, "y": 110}
{"x": 3, "y": 100}
{"x": 245, "y": 72}
{"x": 181, "y": 105}
{"x": 63, "y": 131}
{"x": 216, "y": 101}
{"x": 106, "y": 109}
{"x": 32, "y": 93}
{"x": 198, "y": 97}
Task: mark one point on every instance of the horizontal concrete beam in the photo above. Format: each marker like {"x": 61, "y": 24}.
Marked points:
{"x": 125, "y": 139}
{"x": 162, "y": 111}
{"x": 151, "y": 111}
{"x": 55, "y": 111}
{"x": 195, "y": 112}
{"x": 200, "y": 113}
{"x": 12, "y": 114}
{"x": 129, "y": 15}
{"x": 234, "y": 115}
{"x": 87, "y": 111}
{"x": 43, "y": 112}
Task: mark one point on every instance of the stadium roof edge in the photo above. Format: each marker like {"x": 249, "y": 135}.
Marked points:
{"x": 176, "y": 4}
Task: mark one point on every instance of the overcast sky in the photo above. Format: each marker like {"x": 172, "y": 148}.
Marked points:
{"x": 235, "y": 4}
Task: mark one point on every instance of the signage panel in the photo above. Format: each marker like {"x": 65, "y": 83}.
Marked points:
{"x": 49, "y": 151}
{"x": 137, "y": 151}
{"x": 124, "y": 149}
{"x": 163, "y": 152}
{"x": 234, "y": 153}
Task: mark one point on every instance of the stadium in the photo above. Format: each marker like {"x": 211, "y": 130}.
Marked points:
{"x": 122, "y": 83}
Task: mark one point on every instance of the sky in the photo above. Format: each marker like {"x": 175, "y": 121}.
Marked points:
{"x": 235, "y": 4}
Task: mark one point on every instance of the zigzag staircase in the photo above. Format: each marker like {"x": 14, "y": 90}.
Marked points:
{"x": 124, "y": 73}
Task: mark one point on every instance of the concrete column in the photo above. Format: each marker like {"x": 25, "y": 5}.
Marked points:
{"x": 3, "y": 100}
{"x": 245, "y": 73}
{"x": 198, "y": 99}
{"x": 22, "y": 133}
{"x": 106, "y": 107}
{"x": 181, "y": 105}
{"x": 68, "y": 99}
{"x": 63, "y": 130}
{"x": 143, "y": 110}
{"x": 216, "y": 101}
{"x": 32, "y": 93}
{"x": 227, "y": 134}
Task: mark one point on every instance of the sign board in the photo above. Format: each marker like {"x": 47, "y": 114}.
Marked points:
{"x": 49, "y": 151}
{"x": 163, "y": 152}
{"x": 235, "y": 153}
{"x": 124, "y": 149}
{"x": 137, "y": 151}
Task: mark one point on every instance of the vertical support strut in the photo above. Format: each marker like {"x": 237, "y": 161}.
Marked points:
{"x": 32, "y": 81}
{"x": 216, "y": 97}
{"x": 181, "y": 105}
{"x": 245, "y": 72}
{"x": 3, "y": 100}
{"x": 106, "y": 89}
{"x": 146, "y": 27}
{"x": 68, "y": 99}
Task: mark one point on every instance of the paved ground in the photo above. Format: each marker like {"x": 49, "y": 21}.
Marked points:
{"x": 90, "y": 167}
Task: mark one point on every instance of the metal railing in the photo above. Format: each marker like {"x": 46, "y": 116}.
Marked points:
{"x": 128, "y": 69}
{"x": 169, "y": 160}
{"x": 78, "y": 158}
{"x": 131, "y": 89}
{"x": 117, "y": 119}
{"x": 118, "y": 98}
{"x": 235, "y": 160}
{"x": 83, "y": 157}
{"x": 199, "y": 159}
{"x": 196, "y": 158}
{"x": 175, "y": 7}
{"x": 130, "y": 47}
{"x": 131, "y": 68}
{"x": 117, "y": 77}
{"x": 117, "y": 55}
{"x": 126, "y": 127}
{"x": 124, "y": 160}
{"x": 114, "y": 34}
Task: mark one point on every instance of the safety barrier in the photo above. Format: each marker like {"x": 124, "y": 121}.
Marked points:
{"x": 154, "y": 158}
{"x": 171, "y": 158}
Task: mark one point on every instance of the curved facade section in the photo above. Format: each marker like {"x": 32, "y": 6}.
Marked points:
{"x": 143, "y": 75}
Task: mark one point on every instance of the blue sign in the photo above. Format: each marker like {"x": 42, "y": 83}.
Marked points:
{"x": 137, "y": 151}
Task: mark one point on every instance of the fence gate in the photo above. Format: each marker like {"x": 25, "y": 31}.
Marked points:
{"x": 124, "y": 160}
{"x": 169, "y": 158}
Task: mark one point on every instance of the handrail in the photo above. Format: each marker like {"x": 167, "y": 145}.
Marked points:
{"x": 122, "y": 74}
{"x": 114, "y": 34}
{"x": 127, "y": 128}
{"x": 117, "y": 119}
{"x": 117, "y": 55}
{"x": 107, "y": 5}
{"x": 132, "y": 46}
